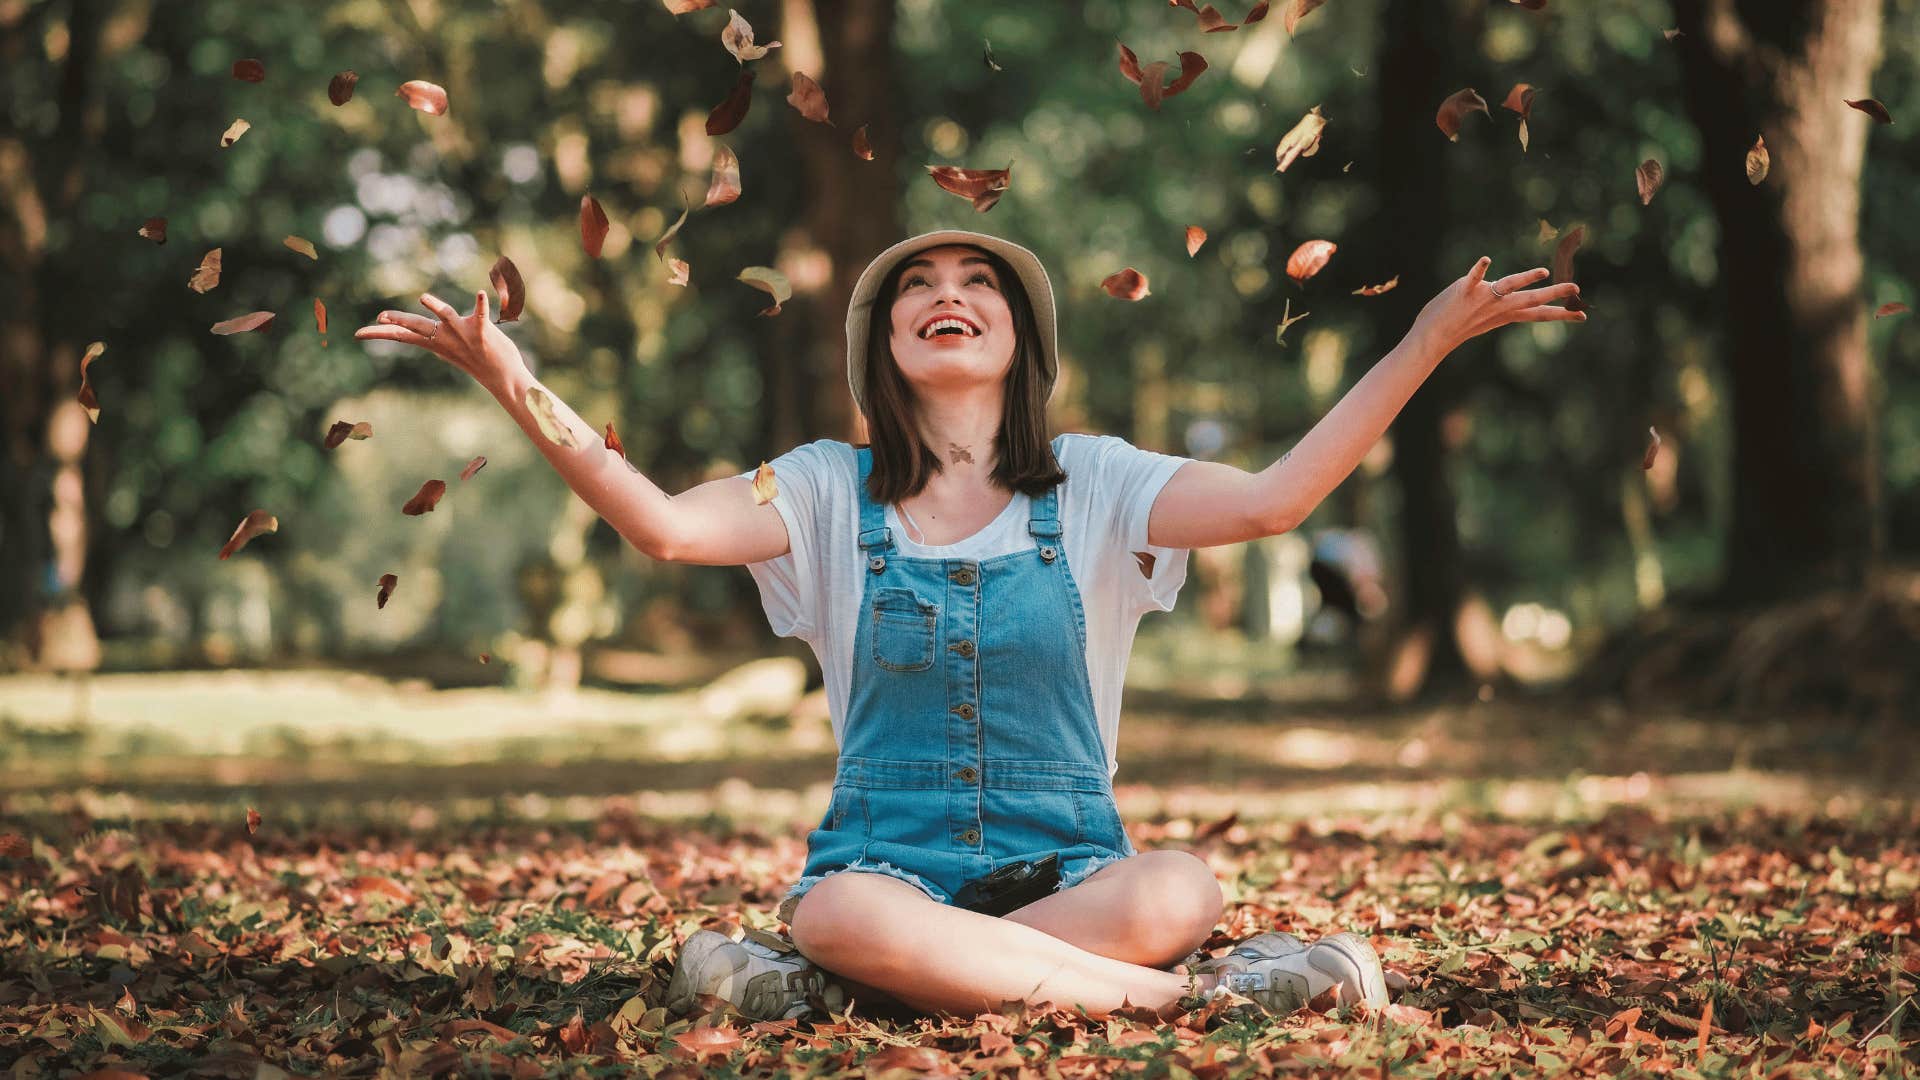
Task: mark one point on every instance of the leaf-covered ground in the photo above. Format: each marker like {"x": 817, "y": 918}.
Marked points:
{"x": 518, "y": 948}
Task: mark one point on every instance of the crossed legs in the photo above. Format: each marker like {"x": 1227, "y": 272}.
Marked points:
{"x": 1105, "y": 941}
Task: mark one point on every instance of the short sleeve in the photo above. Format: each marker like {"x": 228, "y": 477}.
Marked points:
{"x": 1130, "y": 480}
{"x": 790, "y": 584}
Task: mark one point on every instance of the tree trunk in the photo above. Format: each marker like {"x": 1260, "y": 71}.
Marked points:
{"x": 1806, "y": 510}
{"x": 853, "y": 215}
{"x": 1413, "y": 184}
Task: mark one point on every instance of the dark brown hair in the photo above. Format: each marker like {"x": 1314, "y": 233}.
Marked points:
{"x": 902, "y": 461}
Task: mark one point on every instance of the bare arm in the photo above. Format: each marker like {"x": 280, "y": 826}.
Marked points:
{"x": 1207, "y": 503}
{"x": 715, "y": 524}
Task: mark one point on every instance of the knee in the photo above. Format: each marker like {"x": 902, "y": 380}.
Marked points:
{"x": 843, "y": 916}
{"x": 1181, "y": 900}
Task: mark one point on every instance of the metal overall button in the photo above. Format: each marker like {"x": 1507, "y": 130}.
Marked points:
{"x": 1047, "y": 553}
{"x": 971, "y": 836}
{"x": 963, "y": 647}
{"x": 876, "y": 564}
{"x": 968, "y": 773}
{"x": 963, "y": 576}
{"x": 965, "y": 710}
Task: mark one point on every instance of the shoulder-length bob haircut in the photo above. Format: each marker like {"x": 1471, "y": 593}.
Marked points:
{"x": 902, "y": 461}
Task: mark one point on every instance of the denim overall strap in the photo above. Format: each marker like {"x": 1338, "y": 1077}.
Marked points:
{"x": 876, "y": 539}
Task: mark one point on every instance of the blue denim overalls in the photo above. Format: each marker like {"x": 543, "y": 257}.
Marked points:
{"x": 971, "y": 739}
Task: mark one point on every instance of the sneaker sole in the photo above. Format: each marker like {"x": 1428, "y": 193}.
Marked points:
{"x": 1350, "y": 960}
{"x": 698, "y": 954}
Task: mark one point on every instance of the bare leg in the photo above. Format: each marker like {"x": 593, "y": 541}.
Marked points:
{"x": 884, "y": 934}
{"x": 1153, "y": 909}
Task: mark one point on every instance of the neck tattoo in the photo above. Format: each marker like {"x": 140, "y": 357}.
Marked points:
{"x": 959, "y": 453}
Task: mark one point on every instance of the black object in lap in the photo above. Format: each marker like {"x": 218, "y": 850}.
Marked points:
{"x": 1011, "y": 887}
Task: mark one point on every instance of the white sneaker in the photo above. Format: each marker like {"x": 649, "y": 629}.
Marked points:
{"x": 1280, "y": 973}
{"x": 764, "y": 977}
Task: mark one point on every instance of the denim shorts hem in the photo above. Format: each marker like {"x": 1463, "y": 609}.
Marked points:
{"x": 1071, "y": 878}
{"x": 791, "y": 901}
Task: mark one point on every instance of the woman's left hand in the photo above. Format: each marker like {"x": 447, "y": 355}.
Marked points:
{"x": 1473, "y": 305}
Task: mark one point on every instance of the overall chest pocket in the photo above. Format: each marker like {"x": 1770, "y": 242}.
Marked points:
{"x": 903, "y": 630}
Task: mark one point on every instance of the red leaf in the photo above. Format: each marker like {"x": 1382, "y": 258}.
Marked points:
{"x": 240, "y": 324}
{"x": 702, "y": 1041}
{"x": 726, "y": 177}
{"x": 252, "y": 71}
{"x": 320, "y": 317}
{"x": 341, "y": 431}
{"x": 1148, "y": 79}
{"x": 809, "y": 99}
{"x": 253, "y": 821}
{"x": 1127, "y": 284}
{"x": 473, "y": 466}
{"x": 340, "y": 87}
{"x": 387, "y": 583}
{"x": 428, "y": 97}
{"x": 155, "y": 230}
{"x": 1873, "y": 108}
{"x": 1195, "y": 237}
{"x": 505, "y": 278}
{"x": 1653, "y": 449}
{"x": 255, "y": 523}
{"x": 727, "y": 115}
{"x": 1895, "y": 308}
{"x": 1299, "y": 11}
{"x": 85, "y": 396}
{"x": 593, "y": 225}
{"x": 983, "y": 186}
{"x": 1455, "y": 109}
{"x": 613, "y": 441}
{"x": 425, "y": 499}
{"x": 862, "y": 149}
{"x": 1647, "y": 179}
{"x": 1309, "y": 259}
{"x": 361, "y": 886}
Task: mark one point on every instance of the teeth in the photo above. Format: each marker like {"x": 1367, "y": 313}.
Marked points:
{"x": 935, "y": 325}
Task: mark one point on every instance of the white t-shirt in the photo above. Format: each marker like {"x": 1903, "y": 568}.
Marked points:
{"x": 813, "y": 592}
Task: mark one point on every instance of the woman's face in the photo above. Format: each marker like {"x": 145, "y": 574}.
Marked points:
{"x": 951, "y": 326}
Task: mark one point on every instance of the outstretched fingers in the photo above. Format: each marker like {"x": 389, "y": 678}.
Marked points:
{"x": 1512, "y": 282}
{"x": 480, "y": 305}
{"x": 438, "y": 307}
{"x": 1479, "y": 272}
{"x": 401, "y": 334}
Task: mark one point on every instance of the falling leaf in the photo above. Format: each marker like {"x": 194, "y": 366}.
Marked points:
{"x": 473, "y": 466}
{"x": 387, "y": 582}
{"x": 1648, "y": 178}
{"x": 681, "y": 7}
{"x": 809, "y": 99}
{"x": 427, "y": 97}
{"x": 983, "y": 186}
{"x": 1287, "y": 318}
{"x": 340, "y": 87}
{"x": 255, "y": 523}
{"x": 1376, "y": 290}
{"x": 1455, "y": 109}
{"x": 1195, "y": 237}
{"x": 540, "y": 404}
{"x": 320, "y": 317}
{"x": 613, "y": 442}
{"x": 738, "y": 39}
{"x": 208, "y": 275}
{"x": 1127, "y": 284}
{"x": 726, "y": 177}
{"x": 1895, "y": 308}
{"x": 425, "y": 499}
{"x": 1149, "y": 79}
{"x": 1706, "y": 1028}
{"x": 1211, "y": 21}
{"x": 660, "y": 245}
{"x": 1563, "y": 262}
{"x": 1671, "y": 34}
{"x": 302, "y": 245}
{"x": 593, "y": 225}
{"x": 677, "y": 270}
{"x": 1873, "y": 108}
{"x": 155, "y": 230}
{"x": 1757, "y": 161}
{"x": 1309, "y": 259}
{"x": 1520, "y": 100}
{"x": 772, "y": 282}
{"x": 1653, "y": 449}
{"x": 85, "y": 397}
{"x": 727, "y": 115}
{"x": 252, "y": 71}
{"x": 764, "y": 488}
{"x": 253, "y": 821}
{"x": 341, "y": 431}
{"x": 233, "y": 133}
{"x": 240, "y": 324}
{"x": 1299, "y": 10}
{"x": 512, "y": 292}
{"x": 1302, "y": 141}
{"x": 486, "y": 658}
{"x": 1547, "y": 232}
{"x": 988, "y": 56}
{"x": 862, "y": 149}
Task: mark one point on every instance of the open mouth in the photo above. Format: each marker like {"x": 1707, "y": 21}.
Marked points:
{"x": 949, "y": 327}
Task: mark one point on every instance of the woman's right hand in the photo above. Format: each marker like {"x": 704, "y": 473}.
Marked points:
{"x": 473, "y": 343}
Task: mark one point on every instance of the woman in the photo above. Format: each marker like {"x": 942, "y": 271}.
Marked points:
{"x": 971, "y": 589}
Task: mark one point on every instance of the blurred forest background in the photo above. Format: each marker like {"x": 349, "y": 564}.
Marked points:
{"x": 1765, "y": 558}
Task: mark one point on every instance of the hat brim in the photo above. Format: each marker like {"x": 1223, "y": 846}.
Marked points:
{"x": 1025, "y": 264}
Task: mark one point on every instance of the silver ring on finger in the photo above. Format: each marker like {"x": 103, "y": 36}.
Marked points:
{"x": 1496, "y": 289}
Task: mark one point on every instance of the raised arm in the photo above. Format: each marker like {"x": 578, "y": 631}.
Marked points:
{"x": 715, "y": 524}
{"x": 1207, "y": 503}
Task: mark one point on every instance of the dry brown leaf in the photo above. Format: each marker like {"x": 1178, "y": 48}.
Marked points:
{"x": 208, "y": 274}
{"x": 155, "y": 229}
{"x": 1873, "y": 108}
{"x": 252, "y": 71}
{"x": 1127, "y": 284}
{"x": 253, "y": 821}
{"x": 340, "y": 87}
{"x": 613, "y": 442}
{"x": 862, "y": 149}
{"x": 681, "y": 7}
{"x": 765, "y": 490}
{"x": 1195, "y": 237}
{"x": 1520, "y": 100}
{"x": 255, "y": 523}
{"x": 302, "y": 245}
{"x": 429, "y": 98}
{"x": 425, "y": 499}
{"x": 593, "y": 225}
{"x": 1287, "y": 318}
{"x": 474, "y": 466}
{"x": 1895, "y": 308}
{"x": 233, "y": 133}
{"x": 983, "y": 186}
{"x": 508, "y": 286}
{"x": 1757, "y": 161}
{"x": 540, "y": 404}
{"x": 1151, "y": 78}
{"x": 737, "y": 37}
{"x": 1653, "y": 449}
{"x": 1309, "y": 259}
{"x": 677, "y": 270}
{"x": 1563, "y": 262}
{"x": 1647, "y": 179}
{"x": 387, "y": 583}
{"x": 808, "y": 99}
{"x": 320, "y": 318}
{"x": 240, "y": 324}
{"x": 1376, "y": 290}
{"x": 85, "y": 397}
{"x": 341, "y": 431}
{"x": 1303, "y": 140}
{"x": 1298, "y": 10}
{"x": 727, "y": 115}
{"x": 726, "y": 177}
{"x": 1455, "y": 109}
{"x": 772, "y": 282}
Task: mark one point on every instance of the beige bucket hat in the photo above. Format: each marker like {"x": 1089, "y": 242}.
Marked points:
{"x": 1024, "y": 263}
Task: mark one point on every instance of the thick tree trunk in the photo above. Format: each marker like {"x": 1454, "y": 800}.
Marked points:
{"x": 853, "y": 213}
{"x": 1413, "y": 192}
{"x": 1806, "y": 508}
